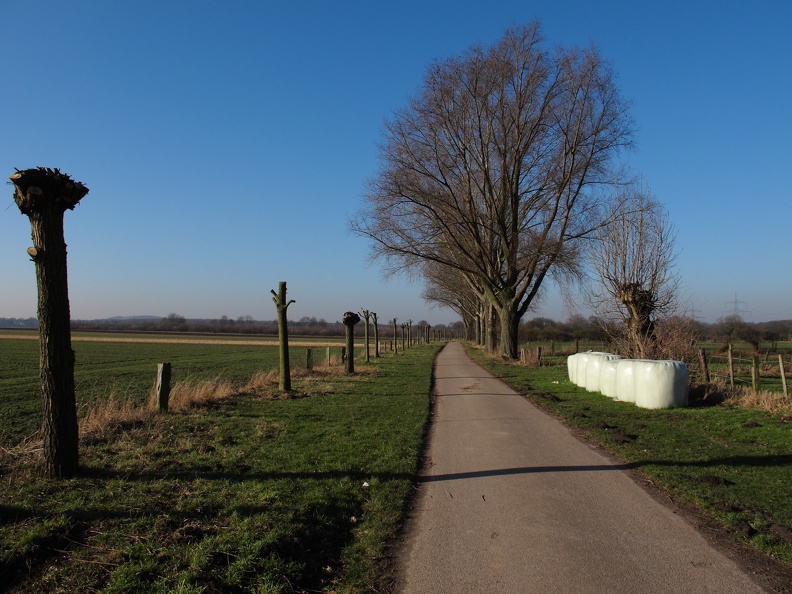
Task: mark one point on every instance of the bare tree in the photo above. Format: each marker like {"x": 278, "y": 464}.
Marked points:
{"x": 44, "y": 195}
{"x": 444, "y": 286}
{"x": 494, "y": 169}
{"x": 633, "y": 263}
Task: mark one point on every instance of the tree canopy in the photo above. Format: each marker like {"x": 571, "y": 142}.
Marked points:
{"x": 494, "y": 170}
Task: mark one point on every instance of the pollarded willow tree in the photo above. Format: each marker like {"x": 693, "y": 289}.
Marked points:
{"x": 282, "y": 306}
{"x": 44, "y": 195}
{"x": 494, "y": 169}
{"x": 635, "y": 281}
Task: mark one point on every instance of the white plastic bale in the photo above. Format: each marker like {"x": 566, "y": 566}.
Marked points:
{"x": 625, "y": 380}
{"x": 608, "y": 377}
{"x": 594, "y": 368}
{"x": 580, "y": 368}
{"x": 572, "y": 362}
{"x": 661, "y": 384}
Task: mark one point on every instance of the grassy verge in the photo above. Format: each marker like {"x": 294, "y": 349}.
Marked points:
{"x": 733, "y": 463}
{"x": 251, "y": 493}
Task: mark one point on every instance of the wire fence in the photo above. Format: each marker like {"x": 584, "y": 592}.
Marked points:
{"x": 769, "y": 371}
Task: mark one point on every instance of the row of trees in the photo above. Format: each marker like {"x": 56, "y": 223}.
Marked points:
{"x": 493, "y": 177}
{"x": 504, "y": 171}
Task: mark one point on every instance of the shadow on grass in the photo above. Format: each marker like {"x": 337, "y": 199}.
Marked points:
{"x": 755, "y": 461}
{"x": 308, "y": 552}
{"x": 202, "y": 473}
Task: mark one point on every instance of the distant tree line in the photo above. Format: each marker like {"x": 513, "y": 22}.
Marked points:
{"x": 577, "y": 327}
{"x": 305, "y": 326}
{"x": 18, "y": 323}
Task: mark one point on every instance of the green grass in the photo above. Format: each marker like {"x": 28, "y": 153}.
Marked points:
{"x": 733, "y": 463}
{"x": 124, "y": 369}
{"x": 254, "y": 493}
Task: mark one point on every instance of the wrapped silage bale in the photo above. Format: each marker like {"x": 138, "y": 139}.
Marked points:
{"x": 572, "y": 362}
{"x": 661, "y": 384}
{"x": 594, "y": 367}
{"x": 608, "y": 377}
{"x": 577, "y": 365}
{"x": 625, "y": 380}
{"x": 580, "y": 368}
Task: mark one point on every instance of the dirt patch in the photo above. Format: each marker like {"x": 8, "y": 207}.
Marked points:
{"x": 546, "y": 396}
{"x": 711, "y": 479}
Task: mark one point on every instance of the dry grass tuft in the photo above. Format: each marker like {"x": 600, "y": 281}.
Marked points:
{"x": 261, "y": 382}
{"x": 111, "y": 413}
{"x": 770, "y": 402}
{"x": 26, "y": 454}
{"x": 186, "y": 394}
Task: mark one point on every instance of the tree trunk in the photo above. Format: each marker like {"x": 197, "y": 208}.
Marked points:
{"x": 282, "y": 306}
{"x": 395, "y": 336}
{"x": 376, "y": 337}
{"x": 366, "y": 316}
{"x": 489, "y": 328}
{"x": 56, "y": 363}
{"x": 44, "y": 195}
{"x": 349, "y": 320}
{"x": 509, "y": 332}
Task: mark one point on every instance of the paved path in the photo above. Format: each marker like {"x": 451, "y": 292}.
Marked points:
{"x": 511, "y": 501}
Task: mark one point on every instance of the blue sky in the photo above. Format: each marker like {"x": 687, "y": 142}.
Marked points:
{"x": 226, "y": 144}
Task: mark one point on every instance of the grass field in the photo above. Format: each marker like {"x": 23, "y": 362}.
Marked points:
{"x": 125, "y": 365}
{"x": 254, "y": 493}
{"x": 734, "y": 463}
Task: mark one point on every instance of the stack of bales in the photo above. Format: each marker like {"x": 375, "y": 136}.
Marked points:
{"x": 649, "y": 384}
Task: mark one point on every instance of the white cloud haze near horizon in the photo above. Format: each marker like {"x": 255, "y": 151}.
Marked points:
{"x": 226, "y": 146}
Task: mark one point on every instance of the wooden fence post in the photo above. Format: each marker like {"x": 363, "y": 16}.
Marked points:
{"x": 731, "y": 366}
{"x": 163, "y": 386}
{"x": 704, "y": 369}
{"x": 577, "y": 345}
{"x": 539, "y": 356}
{"x": 309, "y": 359}
{"x": 783, "y": 373}
{"x": 755, "y": 373}
{"x": 343, "y": 354}
{"x": 328, "y": 356}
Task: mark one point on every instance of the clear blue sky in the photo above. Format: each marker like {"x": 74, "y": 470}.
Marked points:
{"x": 226, "y": 144}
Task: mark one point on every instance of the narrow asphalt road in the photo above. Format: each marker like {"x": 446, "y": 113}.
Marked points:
{"x": 510, "y": 501}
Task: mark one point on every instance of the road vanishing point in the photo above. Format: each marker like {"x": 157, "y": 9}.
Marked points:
{"x": 511, "y": 501}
